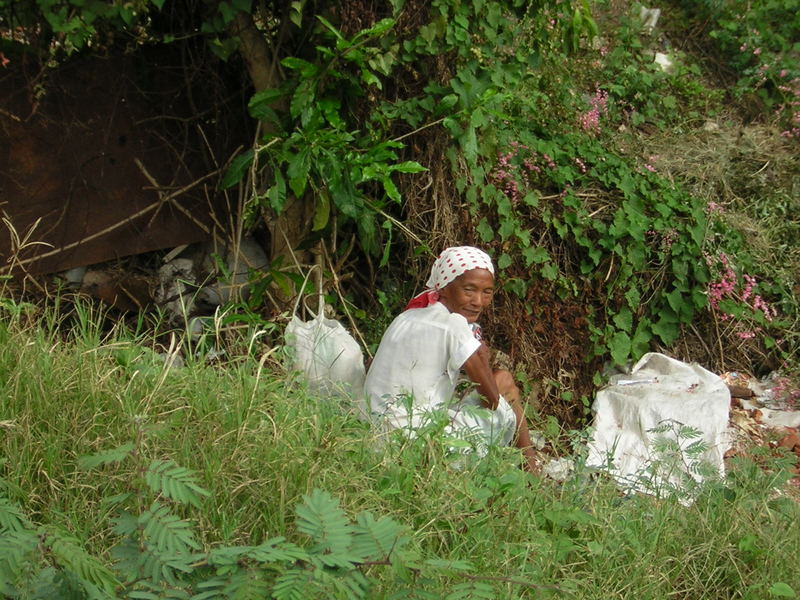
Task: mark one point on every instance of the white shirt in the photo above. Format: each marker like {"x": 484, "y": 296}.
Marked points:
{"x": 418, "y": 363}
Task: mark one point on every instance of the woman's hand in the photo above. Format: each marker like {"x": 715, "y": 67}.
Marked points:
{"x": 478, "y": 370}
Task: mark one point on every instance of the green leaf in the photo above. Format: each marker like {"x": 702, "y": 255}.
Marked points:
{"x": 549, "y": 271}
{"x": 68, "y": 553}
{"x": 296, "y": 13}
{"x": 320, "y": 518}
{"x": 330, "y": 110}
{"x": 299, "y": 166}
{"x": 305, "y": 68}
{"x": 504, "y": 261}
{"x": 623, "y": 319}
{"x": 259, "y": 105}
{"x": 667, "y": 327}
{"x": 17, "y": 550}
{"x": 237, "y": 169}
{"x": 168, "y": 533}
{"x": 376, "y": 30}
{"x": 302, "y": 98}
{"x": 477, "y": 590}
{"x": 409, "y": 166}
{"x": 781, "y": 590}
{"x": 469, "y": 143}
{"x": 322, "y": 211}
{"x": 106, "y": 457}
{"x": 640, "y": 344}
{"x": 375, "y": 539}
{"x": 391, "y": 189}
{"x": 620, "y": 347}
{"x": 331, "y": 28}
{"x": 387, "y": 246}
{"x": 173, "y": 481}
{"x": 535, "y": 255}
{"x": 485, "y": 230}
{"x": 450, "y": 565}
{"x": 12, "y": 519}
{"x": 276, "y": 194}
{"x": 368, "y": 232}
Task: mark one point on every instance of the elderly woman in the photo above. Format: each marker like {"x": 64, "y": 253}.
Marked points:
{"x": 421, "y": 357}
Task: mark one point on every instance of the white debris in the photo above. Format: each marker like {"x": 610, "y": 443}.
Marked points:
{"x": 666, "y": 431}
{"x": 649, "y": 18}
{"x": 559, "y": 468}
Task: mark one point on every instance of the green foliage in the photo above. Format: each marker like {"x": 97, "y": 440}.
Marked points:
{"x": 158, "y": 554}
{"x": 398, "y": 516}
{"x": 67, "y": 26}
{"x": 761, "y": 41}
{"x": 642, "y": 91}
{"x": 317, "y": 148}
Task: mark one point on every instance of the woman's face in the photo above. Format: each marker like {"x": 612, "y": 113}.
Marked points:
{"x": 469, "y": 293}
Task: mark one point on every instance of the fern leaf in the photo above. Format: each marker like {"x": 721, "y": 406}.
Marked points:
{"x": 12, "y": 518}
{"x": 69, "y": 555}
{"x": 450, "y": 565}
{"x": 293, "y": 585}
{"x": 354, "y": 585}
{"x": 373, "y": 539}
{"x": 143, "y": 595}
{"x": 166, "y": 531}
{"x": 331, "y": 584}
{"x": 277, "y": 549}
{"x": 320, "y": 517}
{"x": 124, "y": 523}
{"x": 173, "y": 481}
{"x": 106, "y": 457}
{"x": 160, "y": 567}
{"x": 16, "y": 552}
{"x": 472, "y": 590}
{"x": 227, "y": 556}
{"x": 414, "y": 594}
{"x": 211, "y": 589}
{"x": 247, "y": 585}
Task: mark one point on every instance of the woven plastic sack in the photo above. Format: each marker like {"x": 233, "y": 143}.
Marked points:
{"x": 328, "y": 356}
{"x": 657, "y": 401}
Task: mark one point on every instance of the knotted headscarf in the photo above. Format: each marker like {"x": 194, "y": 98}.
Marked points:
{"x": 451, "y": 263}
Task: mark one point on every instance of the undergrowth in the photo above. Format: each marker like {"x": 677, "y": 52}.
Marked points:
{"x": 125, "y": 476}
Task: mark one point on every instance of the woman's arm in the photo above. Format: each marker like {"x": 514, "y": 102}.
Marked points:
{"x": 478, "y": 370}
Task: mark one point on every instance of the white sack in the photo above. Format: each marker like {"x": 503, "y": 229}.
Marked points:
{"x": 328, "y": 356}
{"x": 658, "y": 392}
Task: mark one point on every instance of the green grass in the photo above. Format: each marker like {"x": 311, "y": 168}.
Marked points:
{"x": 259, "y": 442}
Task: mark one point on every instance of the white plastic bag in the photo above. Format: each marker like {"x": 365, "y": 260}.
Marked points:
{"x": 326, "y": 354}
{"x": 661, "y": 401}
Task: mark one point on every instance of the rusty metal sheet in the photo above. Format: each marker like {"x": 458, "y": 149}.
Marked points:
{"x": 72, "y": 181}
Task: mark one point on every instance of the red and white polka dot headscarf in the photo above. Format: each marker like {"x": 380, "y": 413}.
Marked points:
{"x": 451, "y": 263}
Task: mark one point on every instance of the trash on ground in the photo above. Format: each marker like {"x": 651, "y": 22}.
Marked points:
{"x": 559, "y": 469}
{"x": 666, "y": 432}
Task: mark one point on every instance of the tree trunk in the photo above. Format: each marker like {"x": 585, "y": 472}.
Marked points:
{"x": 293, "y": 224}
